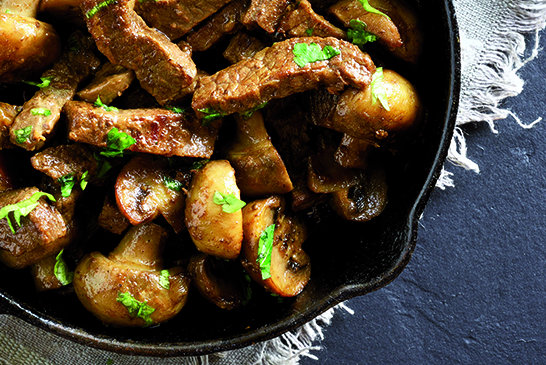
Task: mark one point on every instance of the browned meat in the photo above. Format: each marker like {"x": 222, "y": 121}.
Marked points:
{"x": 162, "y": 68}
{"x": 272, "y": 74}
{"x": 42, "y": 233}
{"x": 225, "y": 21}
{"x": 63, "y": 160}
{"x": 176, "y": 17}
{"x": 241, "y": 47}
{"x": 265, "y": 14}
{"x": 302, "y": 21}
{"x": 41, "y": 113}
{"x": 156, "y": 131}
{"x": 8, "y": 113}
{"x": 110, "y": 217}
{"x": 109, "y": 83}
{"x": 259, "y": 169}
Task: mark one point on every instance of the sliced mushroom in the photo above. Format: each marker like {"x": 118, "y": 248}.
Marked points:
{"x": 109, "y": 83}
{"x": 353, "y": 153}
{"x": 132, "y": 273}
{"x": 110, "y": 217}
{"x": 290, "y": 267}
{"x": 145, "y": 189}
{"x": 258, "y": 166}
{"x": 220, "y": 282}
{"x": 214, "y": 231}
{"x": 43, "y": 274}
{"x": 8, "y": 113}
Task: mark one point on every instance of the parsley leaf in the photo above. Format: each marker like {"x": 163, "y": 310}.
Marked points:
{"x": 210, "y": 115}
{"x": 265, "y": 247}
{"x": 8, "y": 11}
{"x": 229, "y": 203}
{"x": 45, "y": 82}
{"x": 99, "y": 6}
{"x": 62, "y": 273}
{"x": 164, "y": 279}
{"x": 107, "y": 108}
{"x": 84, "y": 180}
{"x": 22, "y": 135}
{"x": 359, "y": 34}
{"x": 309, "y": 31}
{"x": 135, "y": 307}
{"x": 308, "y": 53}
{"x": 172, "y": 183}
{"x": 23, "y": 208}
{"x": 116, "y": 142}
{"x": 247, "y": 114}
{"x": 378, "y": 89}
{"x": 370, "y": 9}
{"x": 199, "y": 164}
{"x": 176, "y": 109}
{"x": 67, "y": 184}
{"x": 40, "y": 111}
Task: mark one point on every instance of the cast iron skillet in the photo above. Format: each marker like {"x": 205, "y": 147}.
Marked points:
{"x": 348, "y": 259}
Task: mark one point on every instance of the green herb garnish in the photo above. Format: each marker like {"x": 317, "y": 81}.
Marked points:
{"x": 359, "y": 34}
{"x": 135, "y": 307}
{"x": 370, "y": 9}
{"x": 99, "y": 6}
{"x": 67, "y": 184}
{"x": 176, "y": 109}
{"x": 164, "y": 279}
{"x": 229, "y": 203}
{"x": 116, "y": 143}
{"x": 309, "y": 31}
{"x": 62, "y": 273}
{"x": 45, "y": 81}
{"x": 84, "y": 180}
{"x": 23, "y": 208}
{"x": 378, "y": 89}
{"x": 247, "y": 114}
{"x": 107, "y": 108}
{"x": 8, "y": 11}
{"x": 265, "y": 247}
{"x": 197, "y": 165}
{"x": 308, "y": 53}
{"x": 172, "y": 183}
{"x": 40, "y": 111}
{"x": 210, "y": 115}
{"x": 22, "y": 135}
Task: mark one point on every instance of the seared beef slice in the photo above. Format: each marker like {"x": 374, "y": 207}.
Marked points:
{"x": 162, "y": 68}
{"x": 176, "y": 17}
{"x": 302, "y": 21}
{"x": 265, "y": 14}
{"x": 156, "y": 131}
{"x": 272, "y": 74}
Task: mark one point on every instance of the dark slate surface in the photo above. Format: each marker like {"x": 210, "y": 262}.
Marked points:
{"x": 475, "y": 289}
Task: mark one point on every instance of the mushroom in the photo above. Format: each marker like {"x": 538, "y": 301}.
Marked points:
{"x": 213, "y": 227}
{"x": 219, "y": 281}
{"x": 129, "y": 288}
{"x": 27, "y": 46}
{"x": 290, "y": 267}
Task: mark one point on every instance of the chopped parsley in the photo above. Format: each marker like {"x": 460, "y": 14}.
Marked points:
{"x": 84, "y": 180}
{"x": 359, "y": 34}
{"x": 308, "y": 53}
{"x": 107, "y": 108}
{"x": 40, "y": 111}
{"x": 164, "y": 279}
{"x": 98, "y": 7}
{"x": 136, "y": 308}
{"x": 172, "y": 183}
{"x": 210, "y": 115}
{"x": 247, "y": 114}
{"x": 8, "y": 11}
{"x": 116, "y": 143}
{"x": 61, "y": 270}
{"x": 22, "y": 135}
{"x": 309, "y": 31}
{"x": 176, "y": 109}
{"x": 67, "y": 184}
{"x": 229, "y": 203}
{"x": 378, "y": 89}
{"x": 197, "y": 165}
{"x": 265, "y": 247}
{"x": 23, "y": 208}
{"x": 45, "y": 81}
{"x": 370, "y": 9}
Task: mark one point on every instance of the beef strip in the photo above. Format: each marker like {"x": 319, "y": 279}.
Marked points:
{"x": 264, "y": 14}
{"x": 162, "y": 68}
{"x": 75, "y": 65}
{"x": 8, "y": 113}
{"x": 156, "y": 131}
{"x": 225, "y": 21}
{"x": 242, "y": 46}
{"x": 111, "y": 219}
{"x": 302, "y": 21}
{"x": 42, "y": 233}
{"x": 63, "y": 160}
{"x": 272, "y": 74}
{"x": 109, "y": 83}
{"x": 176, "y": 17}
